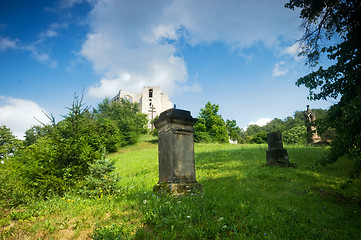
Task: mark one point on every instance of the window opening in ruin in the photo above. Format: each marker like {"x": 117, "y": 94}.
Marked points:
{"x": 150, "y": 93}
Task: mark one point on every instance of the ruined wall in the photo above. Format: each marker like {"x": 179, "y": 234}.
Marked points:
{"x": 151, "y": 100}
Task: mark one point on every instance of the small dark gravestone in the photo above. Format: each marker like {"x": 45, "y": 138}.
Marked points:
{"x": 177, "y": 173}
{"x": 276, "y": 155}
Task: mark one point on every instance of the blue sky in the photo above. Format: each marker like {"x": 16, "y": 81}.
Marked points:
{"x": 239, "y": 54}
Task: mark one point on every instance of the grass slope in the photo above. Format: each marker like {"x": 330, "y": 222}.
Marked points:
{"x": 242, "y": 199}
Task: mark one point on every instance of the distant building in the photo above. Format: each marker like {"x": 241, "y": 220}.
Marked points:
{"x": 152, "y": 101}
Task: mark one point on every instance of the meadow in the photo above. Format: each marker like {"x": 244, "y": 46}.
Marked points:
{"x": 241, "y": 199}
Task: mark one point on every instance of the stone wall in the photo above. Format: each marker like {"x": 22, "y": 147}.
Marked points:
{"x": 152, "y": 101}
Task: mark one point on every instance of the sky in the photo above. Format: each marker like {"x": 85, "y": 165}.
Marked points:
{"x": 239, "y": 54}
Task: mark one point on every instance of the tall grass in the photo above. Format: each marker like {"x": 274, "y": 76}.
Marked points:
{"x": 241, "y": 198}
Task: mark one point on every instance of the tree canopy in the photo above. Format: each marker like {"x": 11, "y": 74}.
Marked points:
{"x": 333, "y": 28}
{"x": 210, "y": 126}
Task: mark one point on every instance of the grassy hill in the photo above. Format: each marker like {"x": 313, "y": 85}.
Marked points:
{"x": 241, "y": 199}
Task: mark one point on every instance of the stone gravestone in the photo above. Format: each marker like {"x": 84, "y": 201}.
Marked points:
{"x": 177, "y": 173}
{"x": 276, "y": 155}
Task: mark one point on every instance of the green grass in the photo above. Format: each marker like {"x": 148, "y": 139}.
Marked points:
{"x": 241, "y": 199}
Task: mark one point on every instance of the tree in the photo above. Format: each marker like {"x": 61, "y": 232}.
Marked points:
{"x": 210, "y": 126}
{"x": 259, "y": 138}
{"x": 8, "y": 143}
{"x": 233, "y": 130}
{"x": 295, "y": 135}
{"x": 129, "y": 120}
{"x": 33, "y": 134}
{"x": 333, "y": 28}
{"x": 60, "y": 160}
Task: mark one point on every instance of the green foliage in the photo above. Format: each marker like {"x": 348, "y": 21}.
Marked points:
{"x": 210, "y": 126}
{"x": 108, "y": 233}
{"x": 345, "y": 118}
{"x": 8, "y": 143}
{"x": 155, "y": 131}
{"x": 109, "y": 135}
{"x": 100, "y": 180}
{"x": 130, "y": 122}
{"x": 234, "y": 132}
{"x": 33, "y": 134}
{"x": 332, "y": 28}
{"x": 59, "y": 161}
{"x": 259, "y": 138}
{"x": 295, "y": 135}
{"x": 291, "y": 128}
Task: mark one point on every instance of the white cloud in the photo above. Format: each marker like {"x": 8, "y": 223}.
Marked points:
{"x": 294, "y": 51}
{"x": 19, "y": 115}
{"x": 15, "y": 44}
{"x": 260, "y": 122}
{"x": 7, "y": 43}
{"x": 280, "y": 69}
{"x": 136, "y": 38}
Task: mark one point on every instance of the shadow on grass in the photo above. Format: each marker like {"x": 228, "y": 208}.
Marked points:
{"x": 153, "y": 141}
{"x": 244, "y": 199}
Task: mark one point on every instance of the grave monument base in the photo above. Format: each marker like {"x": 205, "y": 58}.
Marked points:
{"x": 178, "y": 188}
{"x": 276, "y": 155}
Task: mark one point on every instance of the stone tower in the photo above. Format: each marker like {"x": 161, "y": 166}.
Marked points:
{"x": 152, "y": 101}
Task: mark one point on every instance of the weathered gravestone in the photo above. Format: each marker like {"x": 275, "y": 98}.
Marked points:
{"x": 276, "y": 155}
{"x": 177, "y": 173}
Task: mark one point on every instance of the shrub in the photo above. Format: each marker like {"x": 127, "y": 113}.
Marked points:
{"x": 259, "y": 138}
{"x": 100, "y": 179}
{"x": 295, "y": 135}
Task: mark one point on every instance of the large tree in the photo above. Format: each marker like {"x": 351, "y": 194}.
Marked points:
{"x": 210, "y": 126}
{"x": 333, "y": 28}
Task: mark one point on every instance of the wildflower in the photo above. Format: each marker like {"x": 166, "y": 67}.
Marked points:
{"x": 188, "y": 216}
{"x": 220, "y": 219}
{"x": 68, "y": 200}
{"x": 105, "y": 176}
{"x": 101, "y": 190}
{"x": 123, "y": 195}
{"x": 145, "y": 201}
{"x": 61, "y": 198}
{"x": 2, "y": 162}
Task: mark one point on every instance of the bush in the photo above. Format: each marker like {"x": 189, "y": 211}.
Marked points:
{"x": 295, "y": 135}
{"x": 60, "y": 161}
{"x": 100, "y": 180}
{"x": 259, "y": 138}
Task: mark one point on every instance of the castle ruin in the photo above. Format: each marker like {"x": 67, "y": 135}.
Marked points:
{"x": 152, "y": 101}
